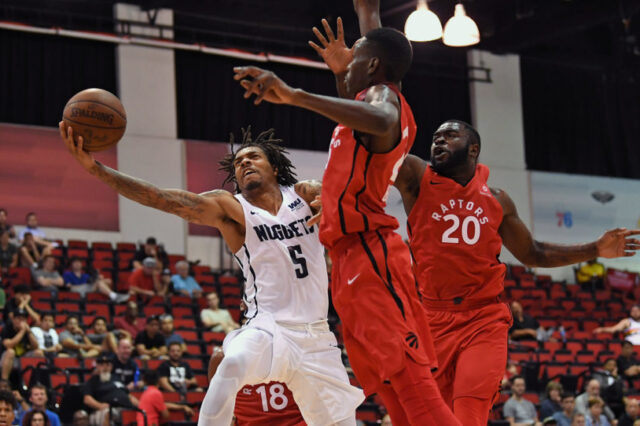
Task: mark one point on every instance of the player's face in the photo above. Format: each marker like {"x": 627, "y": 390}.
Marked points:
{"x": 6, "y": 413}
{"x": 252, "y": 168}
{"x": 449, "y": 148}
{"x": 357, "y": 76}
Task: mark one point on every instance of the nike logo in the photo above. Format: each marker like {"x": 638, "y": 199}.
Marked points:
{"x": 436, "y": 183}
{"x": 252, "y": 212}
{"x": 351, "y": 280}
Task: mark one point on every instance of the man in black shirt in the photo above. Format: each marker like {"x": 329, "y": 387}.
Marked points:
{"x": 150, "y": 342}
{"x": 102, "y": 392}
{"x": 524, "y": 327}
{"x": 150, "y": 248}
{"x": 628, "y": 365}
{"x": 17, "y": 340}
{"x": 631, "y": 412}
{"x": 21, "y": 300}
{"x": 125, "y": 368}
{"x": 175, "y": 374}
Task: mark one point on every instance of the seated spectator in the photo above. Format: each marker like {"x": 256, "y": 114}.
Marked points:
{"x": 526, "y": 327}
{"x": 7, "y": 407}
{"x": 590, "y": 276}
{"x": 29, "y": 254}
{"x": 629, "y": 326}
{"x": 79, "y": 281}
{"x": 146, "y": 281}
{"x": 169, "y": 334}
{"x": 21, "y": 300}
{"x": 4, "y": 224}
{"x": 152, "y": 402}
{"x": 150, "y": 342}
{"x": 627, "y": 363}
{"x": 611, "y": 385}
{"x": 183, "y": 283}
{"x": 216, "y": 318}
{"x": 39, "y": 398}
{"x": 75, "y": 342}
{"x": 47, "y": 336}
{"x": 175, "y": 373}
{"x": 509, "y": 372}
{"x": 17, "y": 341}
{"x": 518, "y": 410}
{"x": 631, "y": 411}
{"x": 125, "y": 369}
{"x": 8, "y": 253}
{"x": 563, "y": 418}
{"x": 594, "y": 415}
{"x": 130, "y": 323}
{"x": 36, "y": 417}
{"x": 100, "y": 336}
{"x": 38, "y": 234}
{"x": 21, "y": 404}
{"x": 592, "y": 391}
{"x": 102, "y": 392}
{"x": 47, "y": 277}
{"x": 551, "y": 404}
{"x": 150, "y": 249}
{"x": 80, "y": 418}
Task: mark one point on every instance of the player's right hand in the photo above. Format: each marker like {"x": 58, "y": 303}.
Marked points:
{"x": 334, "y": 51}
{"x": 83, "y": 157}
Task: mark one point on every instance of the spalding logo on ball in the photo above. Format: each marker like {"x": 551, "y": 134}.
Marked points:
{"x": 98, "y": 116}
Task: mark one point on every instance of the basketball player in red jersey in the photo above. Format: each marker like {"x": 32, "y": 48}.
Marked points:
{"x": 385, "y": 330}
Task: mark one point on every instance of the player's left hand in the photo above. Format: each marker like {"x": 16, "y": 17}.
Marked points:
{"x": 616, "y": 243}
{"x": 316, "y": 204}
{"x": 334, "y": 50}
{"x": 264, "y": 84}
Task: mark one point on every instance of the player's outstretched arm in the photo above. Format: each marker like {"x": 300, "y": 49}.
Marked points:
{"x": 211, "y": 208}
{"x": 310, "y": 190}
{"x": 518, "y": 239}
{"x": 620, "y": 326}
{"x": 409, "y": 179}
{"x": 368, "y": 12}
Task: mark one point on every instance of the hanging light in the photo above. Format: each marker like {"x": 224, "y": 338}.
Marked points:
{"x": 460, "y": 30}
{"x": 423, "y": 24}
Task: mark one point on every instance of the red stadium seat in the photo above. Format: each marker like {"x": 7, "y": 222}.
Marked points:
{"x": 564, "y": 357}
{"x": 555, "y": 370}
{"x": 41, "y": 305}
{"x": 596, "y": 346}
{"x": 102, "y": 264}
{"x": 87, "y": 320}
{"x": 171, "y": 396}
{"x": 188, "y": 335}
{"x": 228, "y": 279}
{"x": 82, "y": 253}
{"x": 66, "y": 363}
{"x": 68, "y": 307}
{"x": 153, "y": 364}
{"x": 194, "y": 349}
{"x": 101, "y": 246}
{"x": 82, "y": 244}
{"x": 585, "y": 357}
{"x": 180, "y": 300}
{"x": 153, "y": 310}
{"x": 124, "y": 247}
{"x": 58, "y": 380}
{"x": 509, "y": 284}
{"x": 96, "y": 297}
{"x": 188, "y": 323}
{"x": 574, "y": 346}
{"x": 99, "y": 309}
{"x": 129, "y": 417}
{"x": 173, "y": 258}
{"x": 20, "y": 276}
{"x": 212, "y": 336}
{"x": 69, "y": 296}
{"x": 194, "y": 363}
{"x": 182, "y": 312}
{"x": 103, "y": 255}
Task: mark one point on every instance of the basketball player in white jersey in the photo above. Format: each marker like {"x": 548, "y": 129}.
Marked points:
{"x": 630, "y": 327}
{"x": 286, "y": 337}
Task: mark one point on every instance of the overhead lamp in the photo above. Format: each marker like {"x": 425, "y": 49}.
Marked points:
{"x": 460, "y": 30}
{"x": 423, "y": 24}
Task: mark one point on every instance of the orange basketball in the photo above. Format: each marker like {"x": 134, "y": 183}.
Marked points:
{"x": 98, "y": 116}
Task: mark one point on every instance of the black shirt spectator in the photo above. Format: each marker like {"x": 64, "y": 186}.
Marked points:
{"x": 149, "y": 342}
{"x": 124, "y": 372}
{"x": 111, "y": 392}
{"x": 176, "y": 373}
{"x": 150, "y": 249}
{"x": 524, "y": 326}
{"x": 628, "y": 365}
{"x": 9, "y": 332}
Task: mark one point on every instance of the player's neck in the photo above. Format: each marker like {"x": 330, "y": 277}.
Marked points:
{"x": 267, "y": 198}
{"x": 462, "y": 174}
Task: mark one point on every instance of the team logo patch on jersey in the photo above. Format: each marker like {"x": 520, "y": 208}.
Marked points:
{"x": 412, "y": 340}
{"x": 485, "y": 191}
{"x": 296, "y": 205}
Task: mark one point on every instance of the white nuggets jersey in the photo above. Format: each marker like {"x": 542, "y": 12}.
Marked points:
{"x": 282, "y": 261}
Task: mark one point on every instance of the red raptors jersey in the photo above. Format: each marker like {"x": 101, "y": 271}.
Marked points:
{"x": 269, "y": 404}
{"x": 454, "y": 237}
{"x": 356, "y": 182}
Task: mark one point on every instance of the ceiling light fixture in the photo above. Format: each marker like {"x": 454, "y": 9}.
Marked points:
{"x": 460, "y": 30}
{"x": 423, "y": 24}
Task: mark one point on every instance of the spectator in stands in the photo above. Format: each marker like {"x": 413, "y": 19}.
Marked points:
{"x": 509, "y": 372}
{"x": 80, "y": 418}
{"x": 99, "y": 335}
{"x": 150, "y": 342}
{"x": 79, "y": 281}
{"x": 39, "y": 398}
{"x": 47, "y": 277}
{"x": 129, "y": 322}
{"x": 594, "y": 415}
{"x": 216, "y": 318}
{"x": 170, "y": 336}
{"x": 549, "y": 421}
{"x": 152, "y": 402}
{"x": 524, "y": 326}
{"x": 36, "y": 417}
{"x": 125, "y": 369}
{"x": 102, "y": 392}
{"x": 611, "y": 385}
{"x": 175, "y": 373}
{"x": 386, "y": 420}
{"x": 8, "y": 252}
{"x": 38, "y": 234}
{"x": 17, "y": 341}
{"x": 21, "y": 300}
{"x": 627, "y": 363}
{"x": 150, "y": 249}
{"x": 21, "y": 404}
{"x": 552, "y": 403}
{"x": 4, "y": 224}
{"x": 592, "y": 391}
{"x": 29, "y": 254}
{"x": 47, "y": 336}
{"x": 146, "y": 281}
{"x": 629, "y": 326}
{"x": 590, "y": 276}
{"x": 517, "y": 410}
{"x": 578, "y": 420}
{"x": 75, "y": 342}
{"x": 7, "y": 407}
{"x": 631, "y": 411}
{"x": 183, "y": 283}
{"x": 563, "y": 418}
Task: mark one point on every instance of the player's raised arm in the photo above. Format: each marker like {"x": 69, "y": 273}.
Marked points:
{"x": 368, "y": 12}
{"x": 212, "y": 208}
{"x": 409, "y": 179}
{"x": 518, "y": 239}
{"x": 310, "y": 190}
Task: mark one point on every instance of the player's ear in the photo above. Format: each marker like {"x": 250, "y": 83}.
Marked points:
{"x": 374, "y": 64}
{"x": 474, "y": 150}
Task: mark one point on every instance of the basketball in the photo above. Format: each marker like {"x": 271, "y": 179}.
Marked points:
{"x": 98, "y": 116}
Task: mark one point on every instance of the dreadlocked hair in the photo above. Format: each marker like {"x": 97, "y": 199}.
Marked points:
{"x": 275, "y": 152}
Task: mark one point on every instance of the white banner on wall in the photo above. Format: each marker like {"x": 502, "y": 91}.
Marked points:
{"x": 575, "y": 208}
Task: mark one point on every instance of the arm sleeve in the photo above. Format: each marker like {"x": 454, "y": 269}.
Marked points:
{"x": 509, "y": 410}
{"x": 188, "y": 371}
{"x": 163, "y": 370}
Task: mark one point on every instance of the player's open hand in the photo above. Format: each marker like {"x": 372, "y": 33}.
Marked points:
{"x": 75, "y": 146}
{"x": 334, "y": 50}
{"x": 264, "y": 84}
{"x": 616, "y": 243}
{"x": 316, "y": 205}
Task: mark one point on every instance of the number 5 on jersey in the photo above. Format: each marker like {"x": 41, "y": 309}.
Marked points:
{"x": 296, "y": 257}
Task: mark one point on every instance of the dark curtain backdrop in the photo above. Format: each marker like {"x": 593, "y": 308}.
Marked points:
{"x": 210, "y": 102}
{"x": 39, "y": 73}
{"x": 582, "y": 119}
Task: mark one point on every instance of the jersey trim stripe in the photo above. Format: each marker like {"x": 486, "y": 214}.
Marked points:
{"x": 364, "y": 187}
{"x": 255, "y": 286}
{"x": 343, "y": 224}
{"x": 387, "y": 284}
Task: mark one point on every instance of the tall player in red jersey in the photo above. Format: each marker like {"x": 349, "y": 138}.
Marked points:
{"x": 373, "y": 289}
{"x": 457, "y": 226}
